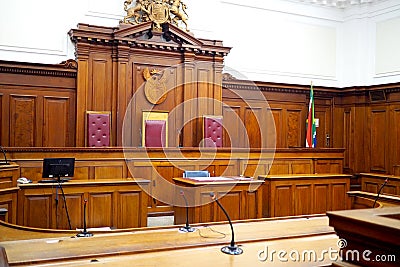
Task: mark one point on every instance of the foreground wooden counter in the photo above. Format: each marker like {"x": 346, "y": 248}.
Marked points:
{"x": 289, "y": 195}
{"x": 168, "y": 247}
{"x": 370, "y": 237}
{"x": 110, "y": 203}
{"x": 241, "y": 198}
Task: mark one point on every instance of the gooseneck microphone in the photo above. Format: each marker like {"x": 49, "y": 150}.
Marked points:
{"x": 84, "y": 233}
{"x": 232, "y": 249}
{"x": 186, "y": 228}
{"x": 380, "y": 189}
{"x": 5, "y": 162}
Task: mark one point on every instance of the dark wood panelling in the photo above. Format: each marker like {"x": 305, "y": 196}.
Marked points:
{"x": 252, "y": 119}
{"x": 117, "y": 203}
{"x": 378, "y": 138}
{"x": 37, "y": 104}
{"x": 23, "y": 120}
{"x": 294, "y": 120}
{"x": 371, "y": 182}
{"x": 304, "y": 194}
{"x": 56, "y": 122}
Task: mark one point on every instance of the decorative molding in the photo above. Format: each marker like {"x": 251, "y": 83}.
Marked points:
{"x": 172, "y": 39}
{"x": 64, "y": 69}
{"x": 235, "y": 84}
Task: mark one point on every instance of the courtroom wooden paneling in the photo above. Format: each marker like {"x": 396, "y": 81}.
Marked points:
{"x": 289, "y": 195}
{"x": 323, "y": 112}
{"x": 371, "y": 182}
{"x": 161, "y": 165}
{"x": 112, "y": 61}
{"x": 367, "y": 200}
{"x": 38, "y": 104}
{"x": 241, "y": 200}
{"x": 113, "y": 203}
{"x": 8, "y": 191}
{"x": 8, "y": 201}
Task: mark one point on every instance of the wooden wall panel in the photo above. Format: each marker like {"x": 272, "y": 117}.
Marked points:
{"x": 252, "y": 201}
{"x": 2, "y": 121}
{"x": 37, "y": 211}
{"x": 252, "y": 119}
{"x": 294, "y": 121}
{"x": 378, "y": 139}
{"x": 101, "y": 94}
{"x": 347, "y": 139}
{"x": 371, "y": 182}
{"x": 303, "y": 199}
{"x": 339, "y": 193}
{"x": 282, "y": 201}
{"x": 23, "y": 121}
{"x": 56, "y": 122}
{"x": 301, "y": 167}
{"x": 8, "y": 200}
{"x": 304, "y": 194}
{"x": 128, "y": 216}
{"x": 118, "y": 203}
{"x": 322, "y": 198}
{"x": 394, "y": 139}
{"x": 100, "y": 212}
{"x": 232, "y": 127}
{"x": 75, "y": 211}
{"x": 109, "y": 172}
{"x": 231, "y": 202}
{"x": 278, "y": 131}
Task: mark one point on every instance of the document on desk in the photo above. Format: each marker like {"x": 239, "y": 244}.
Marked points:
{"x": 219, "y": 178}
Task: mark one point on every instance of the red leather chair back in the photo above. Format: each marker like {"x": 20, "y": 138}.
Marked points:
{"x": 98, "y": 127}
{"x": 155, "y": 133}
{"x": 213, "y": 132}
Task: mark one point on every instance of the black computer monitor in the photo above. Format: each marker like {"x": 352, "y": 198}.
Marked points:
{"x": 58, "y": 168}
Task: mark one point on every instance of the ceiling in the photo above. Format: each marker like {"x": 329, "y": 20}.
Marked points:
{"x": 340, "y": 3}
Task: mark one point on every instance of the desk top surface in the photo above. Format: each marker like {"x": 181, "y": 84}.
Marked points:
{"x": 166, "y": 246}
{"x": 217, "y": 180}
{"x": 72, "y": 182}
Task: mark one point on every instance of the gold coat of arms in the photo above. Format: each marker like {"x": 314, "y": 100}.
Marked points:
{"x": 155, "y": 89}
{"x": 157, "y": 11}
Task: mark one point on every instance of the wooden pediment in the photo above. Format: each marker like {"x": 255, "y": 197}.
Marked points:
{"x": 170, "y": 33}
{"x": 142, "y": 35}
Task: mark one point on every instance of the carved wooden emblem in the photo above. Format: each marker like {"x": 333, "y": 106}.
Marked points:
{"x": 155, "y": 89}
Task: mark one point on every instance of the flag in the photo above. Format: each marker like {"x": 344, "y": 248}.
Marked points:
{"x": 311, "y": 136}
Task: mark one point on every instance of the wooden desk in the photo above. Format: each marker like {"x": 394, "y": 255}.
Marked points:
{"x": 375, "y": 232}
{"x": 167, "y": 247}
{"x": 239, "y": 196}
{"x": 371, "y": 182}
{"x": 8, "y": 191}
{"x": 112, "y": 203}
{"x": 362, "y": 200}
{"x": 288, "y": 195}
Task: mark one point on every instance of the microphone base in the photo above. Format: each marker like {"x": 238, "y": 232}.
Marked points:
{"x": 84, "y": 234}
{"x": 235, "y": 250}
{"x": 187, "y": 229}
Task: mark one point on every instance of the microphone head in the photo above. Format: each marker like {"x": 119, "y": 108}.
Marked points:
{"x": 181, "y": 193}
{"x": 85, "y": 200}
{"x": 212, "y": 195}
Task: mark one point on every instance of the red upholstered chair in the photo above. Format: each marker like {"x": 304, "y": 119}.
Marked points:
{"x": 98, "y": 128}
{"x": 212, "y": 131}
{"x": 155, "y": 133}
{"x": 155, "y": 129}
